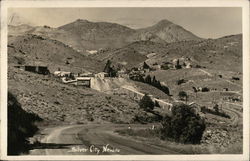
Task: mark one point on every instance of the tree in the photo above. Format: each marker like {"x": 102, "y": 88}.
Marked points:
{"x": 184, "y": 126}
{"x": 154, "y": 81}
{"x": 107, "y": 67}
{"x": 145, "y": 66}
{"x": 148, "y": 79}
{"x": 110, "y": 69}
{"x": 178, "y": 66}
{"x": 216, "y": 108}
{"x": 158, "y": 84}
{"x": 165, "y": 90}
{"x": 183, "y": 95}
{"x": 146, "y": 103}
{"x": 157, "y": 104}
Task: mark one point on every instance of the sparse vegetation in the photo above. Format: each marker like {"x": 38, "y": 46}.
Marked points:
{"x": 215, "y": 111}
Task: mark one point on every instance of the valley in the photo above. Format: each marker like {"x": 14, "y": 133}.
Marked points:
{"x": 120, "y": 66}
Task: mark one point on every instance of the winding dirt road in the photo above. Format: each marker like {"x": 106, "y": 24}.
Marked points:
{"x": 94, "y": 139}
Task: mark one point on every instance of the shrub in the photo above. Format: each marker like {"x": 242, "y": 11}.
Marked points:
{"x": 180, "y": 81}
{"x": 112, "y": 72}
{"x": 148, "y": 79}
{"x": 157, "y": 104}
{"x": 146, "y": 103}
{"x": 183, "y": 95}
{"x": 165, "y": 90}
{"x": 184, "y": 126}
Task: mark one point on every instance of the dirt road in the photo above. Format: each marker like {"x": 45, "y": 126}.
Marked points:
{"x": 95, "y": 139}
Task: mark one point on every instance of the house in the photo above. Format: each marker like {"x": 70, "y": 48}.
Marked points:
{"x": 35, "y": 69}
{"x": 62, "y": 74}
{"x": 83, "y": 81}
{"x": 87, "y": 74}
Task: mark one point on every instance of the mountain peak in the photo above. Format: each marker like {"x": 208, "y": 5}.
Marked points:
{"x": 81, "y": 20}
{"x": 164, "y": 22}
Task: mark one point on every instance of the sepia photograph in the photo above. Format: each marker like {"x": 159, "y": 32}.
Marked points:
{"x": 122, "y": 80}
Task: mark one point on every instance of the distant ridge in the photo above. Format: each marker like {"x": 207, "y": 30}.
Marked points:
{"x": 85, "y": 35}
{"x": 169, "y": 32}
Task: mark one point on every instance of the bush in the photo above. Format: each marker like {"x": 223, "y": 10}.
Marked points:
{"x": 148, "y": 80}
{"x": 184, "y": 126}
{"x": 183, "y": 95}
{"x": 180, "y": 81}
{"x": 157, "y": 104}
{"x": 146, "y": 103}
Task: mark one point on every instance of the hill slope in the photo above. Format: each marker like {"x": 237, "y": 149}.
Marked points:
{"x": 95, "y": 35}
{"x": 33, "y": 49}
{"x": 224, "y": 53}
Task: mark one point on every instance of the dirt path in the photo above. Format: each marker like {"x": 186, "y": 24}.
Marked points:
{"x": 95, "y": 139}
{"x": 209, "y": 74}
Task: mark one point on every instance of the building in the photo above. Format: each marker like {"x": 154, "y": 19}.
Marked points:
{"x": 83, "y": 81}
{"x": 62, "y": 74}
{"x": 87, "y": 74}
{"x": 35, "y": 69}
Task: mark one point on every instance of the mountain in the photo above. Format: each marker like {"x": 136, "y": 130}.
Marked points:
{"x": 95, "y": 35}
{"x": 83, "y": 35}
{"x": 37, "y": 50}
{"x": 168, "y": 32}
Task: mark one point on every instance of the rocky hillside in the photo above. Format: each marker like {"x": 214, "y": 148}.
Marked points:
{"x": 224, "y": 53}
{"x": 54, "y": 101}
{"x": 36, "y": 50}
{"x": 124, "y": 56}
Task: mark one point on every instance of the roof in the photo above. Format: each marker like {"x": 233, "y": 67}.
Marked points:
{"x": 83, "y": 78}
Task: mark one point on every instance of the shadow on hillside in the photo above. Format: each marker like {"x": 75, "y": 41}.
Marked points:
{"x": 20, "y": 127}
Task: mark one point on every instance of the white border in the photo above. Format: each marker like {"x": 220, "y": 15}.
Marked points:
{"x": 109, "y": 3}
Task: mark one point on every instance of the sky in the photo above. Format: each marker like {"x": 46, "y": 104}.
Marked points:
{"x": 213, "y": 22}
